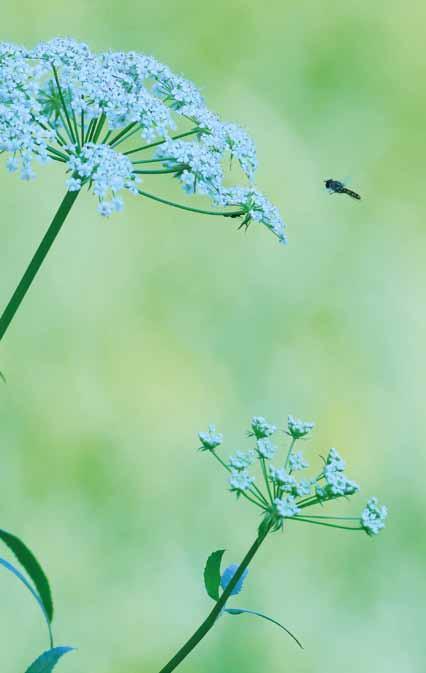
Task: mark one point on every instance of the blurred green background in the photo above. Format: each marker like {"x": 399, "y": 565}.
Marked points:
{"x": 144, "y": 328}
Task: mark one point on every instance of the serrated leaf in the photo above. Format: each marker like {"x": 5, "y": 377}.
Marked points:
{"x": 240, "y": 611}
{"x": 29, "y": 562}
{"x": 48, "y": 660}
{"x": 228, "y": 575}
{"x": 212, "y": 574}
{"x": 11, "y": 568}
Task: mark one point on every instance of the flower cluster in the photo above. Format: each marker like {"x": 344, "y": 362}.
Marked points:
{"x": 260, "y": 428}
{"x": 61, "y": 102}
{"x": 242, "y": 459}
{"x": 336, "y": 482}
{"x": 297, "y": 428}
{"x": 283, "y": 497}
{"x": 373, "y": 517}
{"x": 109, "y": 172}
{"x": 240, "y": 481}
{"x": 198, "y": 169}
{"x": 211, "y": 439}
{"x": 255, "y": 206}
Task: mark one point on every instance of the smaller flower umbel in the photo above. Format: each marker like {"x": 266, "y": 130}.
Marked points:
{"x": 281, "y": 497}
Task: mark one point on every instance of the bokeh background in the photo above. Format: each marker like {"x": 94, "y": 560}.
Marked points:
{"x": 144, "y": 328}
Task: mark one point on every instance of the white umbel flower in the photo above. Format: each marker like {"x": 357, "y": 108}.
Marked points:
{"x": 60, "y": 100}
{"x": 240, "y": 481}
{"x": 373, "y": 517}
{"x": 286, "y": 507}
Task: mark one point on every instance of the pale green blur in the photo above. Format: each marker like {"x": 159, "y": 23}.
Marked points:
{"x": 142, "y": 329}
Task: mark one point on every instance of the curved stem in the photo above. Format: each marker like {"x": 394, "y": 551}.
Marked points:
{"x": 36, "y": 262}
{"x": 322, "y": 523}
{"x": 235, "y": 213}
{"x": 332, "y": 518}
{"x": 209, "y": 622}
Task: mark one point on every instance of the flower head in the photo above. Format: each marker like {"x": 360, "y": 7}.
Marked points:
{"x": 297, "y": 462}
{"x": 335, "y": 461}
{"x": 279, "y": 495}
{"x": 109, "y": 171}
{"x": 255, "y": 207}
{"x": 338, "y": 484}
{"x": 110, "y": 117}
{"x": 211, "y": 439}
{"x": 240, "y": 481}
{"x": 286, "y": 507}
{"x": 241, "y": 460}
{"x": 261, "y": 428}
{"x": 297, "y": 428}
{"x": 373, "y": 517}
{"x": 265, "y": 448}
{"x": 283, "y": 479}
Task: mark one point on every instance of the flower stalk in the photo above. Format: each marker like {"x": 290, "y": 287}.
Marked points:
{"x": 210, "y": 620}
{"x": 36, "y": 262}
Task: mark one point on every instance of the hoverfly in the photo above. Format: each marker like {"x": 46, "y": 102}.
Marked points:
{"x": 337, "y": 187}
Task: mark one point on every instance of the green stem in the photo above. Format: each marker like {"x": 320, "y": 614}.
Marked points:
{"x": 127, "y": 135}
{"x": 90, "y": 129}
{"x": 161, "y": 142}
{"x": 55, "y": 158}
{"x": 322, "y": 523}
{"x": 63, "y": 156}
{"x": 106, "y": 137}
{"x": 235, "y": 213}
{"x": 99, "y": 128}
{"x": 82, "y": 130}
{"x": 293, "y": 442}
{"x": 312, "y": 500}
{"x": 176, "y": 169}
{"x": 265, "y": 476}
{"x": 343, "y": 518}
{"x": 209, "y": 622}
{"x": 36, "y": 262}
{"x": 61, "y": 96}
{"x": 122, "y": 133}
{"x": 153, "y": 161}
{"x": 74, "y": 120}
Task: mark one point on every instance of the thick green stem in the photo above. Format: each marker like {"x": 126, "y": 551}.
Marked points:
{"x": 36, "y": 262}
{"x": 214, "y": 614}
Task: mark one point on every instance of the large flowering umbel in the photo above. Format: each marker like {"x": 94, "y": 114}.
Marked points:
{"x": 112, "y": 118}
{"x": 282, "y": 497}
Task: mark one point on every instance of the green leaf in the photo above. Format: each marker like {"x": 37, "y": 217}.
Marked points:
{"x": 212, "y": 574}
{"x": 48, "y": 660}
{"x": 29, "y": 562}
{"x": 25, "y": 582}
{"x": 240, "y": 611}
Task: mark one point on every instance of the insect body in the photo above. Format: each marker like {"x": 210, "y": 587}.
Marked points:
{"x": 337, "y": 187}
